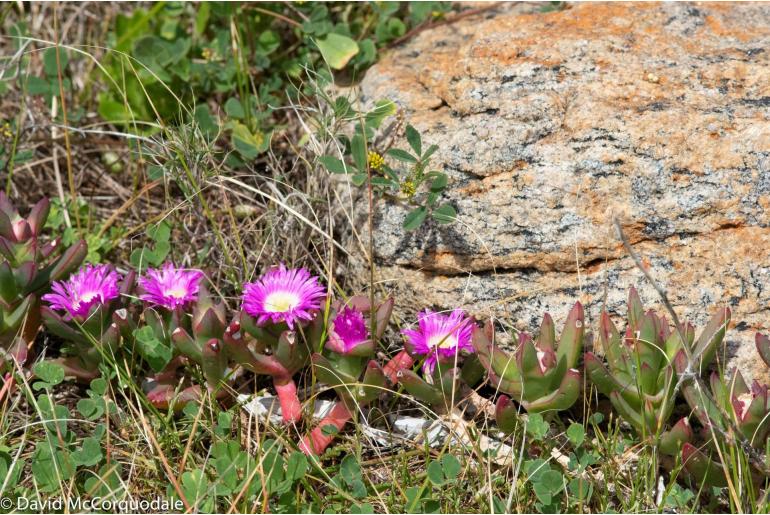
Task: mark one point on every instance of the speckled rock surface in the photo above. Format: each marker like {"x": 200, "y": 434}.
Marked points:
{"x": 551, "y": 124}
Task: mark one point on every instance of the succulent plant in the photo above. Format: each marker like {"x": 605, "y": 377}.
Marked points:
{"x": 88, "y": 311}
{"x": 281, "y": 314}
{"x": 203, "y": 339}
{"x": 442, "y": 388}
{"x": 27, "y": 267}
{"x": 540, "y": 375}
{"x": 733, "y": 406}
{"x": 346, "y": 364}
{"x": 640, "y": 379}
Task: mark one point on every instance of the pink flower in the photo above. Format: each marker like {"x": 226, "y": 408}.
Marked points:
{"x": 90, "y": 286}
{"x": 283, "y": 295}
{"x": 440, "y": 337}
{"x": 170, "y": 287}
{"x": 348, "y": 330}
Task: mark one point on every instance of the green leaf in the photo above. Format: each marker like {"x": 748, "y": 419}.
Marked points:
{"x": 296, "y": 466}
{"x": 329, "y": 430}
{"x": 431, "y": 150}
{"x": 401, "y": 155}
{"x": 580, "y": 488}
{"x": 550, "y": 484}
{"x": 439, "y": 182}
{"x": 90, "y": 454}
{"x": 154, "y": 351}
{"x": 38, "y": 86}
{"x": 160, "y": 232}
{"x": 91, "y": 409}
{"x": 435, "y": 473}
{"x": 49, "y": 61}
{"x": 536, "y": 426}
{"x": 234, "y": 108}
{"x": 358, "y": 179}
{"x": 337, "y": 50}
{"x": 444, "y": 214}
{"x": 334, "y": 165}
{"x": 50, "y": 374}
{"x": 362, "y": 508}
{"x": 248, "y": 144}
{"x": 195, "y": 486}
{"x": 576, "y": 434}
{"x": 202, "y": 17}
{"x": 207, "y": 123}
{"x": 413, "y": 137}
{"x": 50, "y": 467}
{"x": 358, "y": 149}
{"x": 368, "y": 51}
{"x": 451, "y": 466}
{"x": 415, "y": 218}
{"x": 350, "y": 470}
{"x": 382, "y": 110}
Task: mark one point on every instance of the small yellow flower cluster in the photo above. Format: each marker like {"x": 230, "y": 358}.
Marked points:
{"x": 6, "y": 131}
{"x": 375, "y": 160}
{"x": 207, "y": 54}
{"x": 408, "y": 188}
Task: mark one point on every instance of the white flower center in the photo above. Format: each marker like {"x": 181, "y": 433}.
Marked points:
{"x": 443, "y": 341}
{"x": 281, "y": 301}
{"x": 178, "y": 292}
{"x": 87, "y": 297}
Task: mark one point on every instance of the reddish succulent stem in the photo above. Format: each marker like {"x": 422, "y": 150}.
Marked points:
{"x": 400, "y": 361}
{"x": 7, "y": 386}
{"x": 291, "y": 408}
{"x": 317, "y": 442}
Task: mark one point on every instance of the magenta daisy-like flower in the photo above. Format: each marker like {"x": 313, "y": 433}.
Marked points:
{"x": 440, "y": 336}
{"x": 283, "y": 295}
{"x": 170, "y": 287}
{"x": 348, "y": 330}
{"x": 92, "y": 285}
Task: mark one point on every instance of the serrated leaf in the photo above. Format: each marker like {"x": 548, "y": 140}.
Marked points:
{"x": 415, "y": 218}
